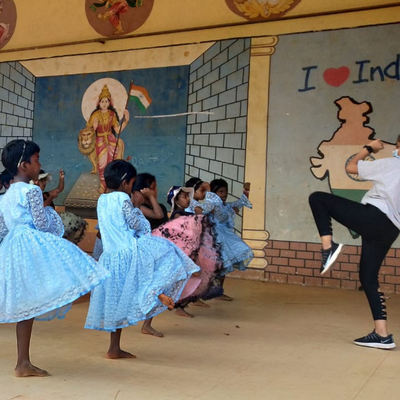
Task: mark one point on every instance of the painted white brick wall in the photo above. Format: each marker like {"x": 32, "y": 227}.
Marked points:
{"x": 17, "y": 94}
{"x": 216, "y": 142}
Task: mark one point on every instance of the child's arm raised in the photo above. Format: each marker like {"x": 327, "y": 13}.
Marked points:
{"x": 61, "y": 182}
{"x": 243, "y": 201}
{"x": 53, "y": 194}
{"x": 156, "y": 212}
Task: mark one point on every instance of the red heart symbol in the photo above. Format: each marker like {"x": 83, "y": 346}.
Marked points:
{"x": 336, "y": 76}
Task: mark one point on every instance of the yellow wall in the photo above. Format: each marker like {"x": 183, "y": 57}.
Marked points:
{"x": 54, "y": 28}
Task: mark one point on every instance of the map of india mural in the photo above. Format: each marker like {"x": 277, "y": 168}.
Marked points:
{"x": 345, "y": 143}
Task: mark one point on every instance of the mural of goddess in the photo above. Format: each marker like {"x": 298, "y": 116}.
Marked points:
{"x": 105, "y": 123}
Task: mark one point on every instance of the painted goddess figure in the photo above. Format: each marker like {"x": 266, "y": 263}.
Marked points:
{"x": 105, "y": 123}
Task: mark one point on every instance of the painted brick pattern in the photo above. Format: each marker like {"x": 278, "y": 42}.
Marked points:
{"x": 17, "y": 96}
{"x": 216, "y": 142}
{"x": 299, "y": 264}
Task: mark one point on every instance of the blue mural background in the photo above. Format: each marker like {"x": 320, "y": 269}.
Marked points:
{"x": 156, "y": 145}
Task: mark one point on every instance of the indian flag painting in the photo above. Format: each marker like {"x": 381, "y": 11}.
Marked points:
{"x": 140, "y": 96}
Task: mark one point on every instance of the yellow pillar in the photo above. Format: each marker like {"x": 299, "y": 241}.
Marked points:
{"x": 254, "y": 230}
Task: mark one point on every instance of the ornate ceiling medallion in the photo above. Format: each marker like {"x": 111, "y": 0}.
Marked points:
{"x": 261, "y": 10}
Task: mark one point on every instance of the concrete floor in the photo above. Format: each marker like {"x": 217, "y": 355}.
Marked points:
{"x": 272, "y": 342}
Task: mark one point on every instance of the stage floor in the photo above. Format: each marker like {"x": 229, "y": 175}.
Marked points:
{"x": 273, "y": 342}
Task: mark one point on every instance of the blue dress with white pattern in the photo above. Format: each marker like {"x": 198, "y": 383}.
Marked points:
{"x": 141, "y": 266}
{"x": 41, "y": 273}
{"x": 234, "y": 251}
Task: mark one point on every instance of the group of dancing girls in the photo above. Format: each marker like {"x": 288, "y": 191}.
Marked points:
{"x": 201, "y": 224}
{"x": 140, "y": 273}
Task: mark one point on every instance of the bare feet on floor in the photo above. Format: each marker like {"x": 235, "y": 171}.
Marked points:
{"x": 199, "y": 303}
{"x": 167, "y": 301}
{"x": 113, "y": 355}
{"x": 149, "y": 330}
{"x": 24, "y": 371}
{"x": 224, "y": 297}
{"x": 183, "y": 313}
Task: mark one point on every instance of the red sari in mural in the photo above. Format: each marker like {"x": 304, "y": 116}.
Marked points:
{"x": 105, "y": 123}
{"x": 105, "y": 140}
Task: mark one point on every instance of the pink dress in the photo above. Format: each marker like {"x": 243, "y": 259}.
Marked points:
{"x": 193, "y": 235}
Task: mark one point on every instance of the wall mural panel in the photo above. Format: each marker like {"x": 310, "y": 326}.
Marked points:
{"x": 325, "y": 104}
{"x": 69, "y": 118}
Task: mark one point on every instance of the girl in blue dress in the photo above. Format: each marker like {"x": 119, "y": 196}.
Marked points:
{"x": 148, "y": 273}
{"x": 234, "y": 251}
{"x": 200, "y": 190}
{"x": 41, "y": 274}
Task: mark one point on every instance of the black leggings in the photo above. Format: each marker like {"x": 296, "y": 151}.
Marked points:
{"x": 377, "y": 233}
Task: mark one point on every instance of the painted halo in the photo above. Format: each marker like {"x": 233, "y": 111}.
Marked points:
{"x": 91, "y": 97}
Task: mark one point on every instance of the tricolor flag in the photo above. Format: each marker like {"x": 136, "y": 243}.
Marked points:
{"x": 140, "y": 95}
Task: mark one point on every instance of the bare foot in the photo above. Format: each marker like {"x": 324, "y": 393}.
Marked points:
{"x": 224, "y": 297}
{"x": 29, "y": 370}
{"x": 113, "y": 355}
{"x": 167, "y": 301}
{"x": 199, "y": 303}
{"x": 183, "y": 313}
{"x": 149, "y": 330}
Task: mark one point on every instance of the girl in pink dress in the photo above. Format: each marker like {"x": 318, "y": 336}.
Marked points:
{"x": 194, "y": 235}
